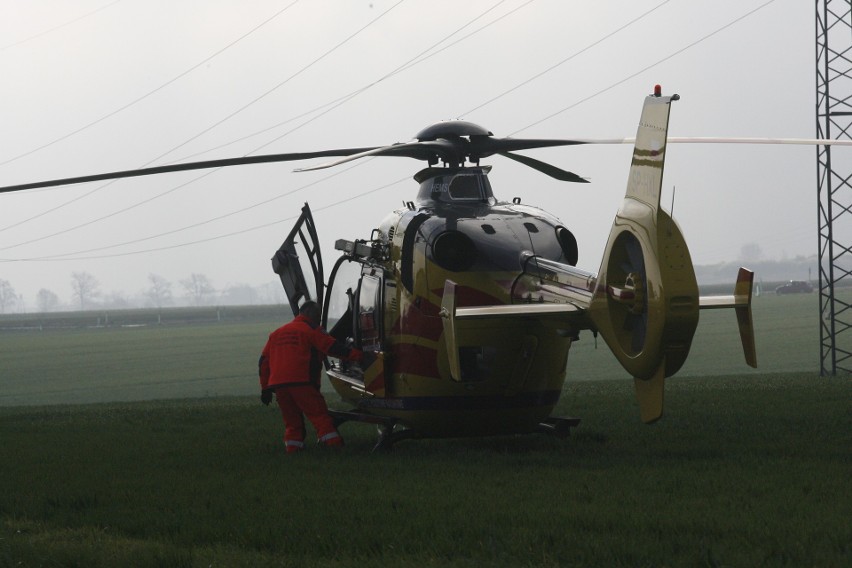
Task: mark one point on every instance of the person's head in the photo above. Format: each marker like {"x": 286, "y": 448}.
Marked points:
{"x": 311, "y": 310}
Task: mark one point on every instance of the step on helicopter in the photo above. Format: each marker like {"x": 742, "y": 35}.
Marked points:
{"x": 471, "y": 304}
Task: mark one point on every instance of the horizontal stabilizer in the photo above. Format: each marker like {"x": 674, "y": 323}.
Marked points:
{"x": 457, "y": 320}
{"x": 527, "y": 310}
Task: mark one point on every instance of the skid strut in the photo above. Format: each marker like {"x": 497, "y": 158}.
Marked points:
{"x": 385, "y": 426}
{"x": 559, "y": 427}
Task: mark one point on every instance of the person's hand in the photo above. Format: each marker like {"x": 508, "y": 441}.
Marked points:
{"x": 266, "y": 397}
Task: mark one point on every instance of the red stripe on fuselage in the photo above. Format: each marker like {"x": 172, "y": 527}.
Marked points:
{"x": 415, "y": 360}
{"x": 421, "y": 322}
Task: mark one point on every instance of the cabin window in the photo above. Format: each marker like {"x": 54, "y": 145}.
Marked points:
{"x": 476, "y": 362}
{"x": 341, "y": 299}
{"x": 370, "y": 313}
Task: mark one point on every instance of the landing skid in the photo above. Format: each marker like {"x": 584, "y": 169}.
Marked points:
{"x": 553, "y": 426}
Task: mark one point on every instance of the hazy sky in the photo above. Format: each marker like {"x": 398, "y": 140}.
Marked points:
{"x": 95, "y": 85}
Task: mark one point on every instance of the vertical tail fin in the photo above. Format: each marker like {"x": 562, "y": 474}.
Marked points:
{"x": 646, "y": 301}
{"x": 649, "y": 152}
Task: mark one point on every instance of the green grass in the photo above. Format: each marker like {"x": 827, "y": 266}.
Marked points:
{"x": 747, "y": 468}
{"x": 740, "y": 473}
{"x": 107, "y": 364}
{"x": 219, "y": 358}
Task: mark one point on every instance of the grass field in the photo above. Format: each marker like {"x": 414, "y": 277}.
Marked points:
{"x": 748, "y": 468}
{"x": 741, "y": 473}
{"x": 75, "y": 364}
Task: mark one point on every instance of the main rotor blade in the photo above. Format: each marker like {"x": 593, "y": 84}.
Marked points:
{"x": 723, "y": 140}
{"x": 379, "y": 151}
{"x": 485, "y": 146}
{"x": 793, "y": 141}
{"x": 429, "y": 150}
{"x": 545, "y": 168}
{"x": 267, "y": 158}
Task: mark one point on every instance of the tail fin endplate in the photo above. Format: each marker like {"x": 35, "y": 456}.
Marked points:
{"x": 741, "y": 302}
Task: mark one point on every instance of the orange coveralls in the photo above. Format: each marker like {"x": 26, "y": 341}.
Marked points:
{"x": 290, "y": 364}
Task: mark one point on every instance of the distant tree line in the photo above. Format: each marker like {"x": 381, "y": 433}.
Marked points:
{"x": 86, "y": 294}
{"x": 198, "y": 290}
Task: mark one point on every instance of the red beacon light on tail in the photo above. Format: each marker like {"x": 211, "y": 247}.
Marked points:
{"x": 658, "y": 92}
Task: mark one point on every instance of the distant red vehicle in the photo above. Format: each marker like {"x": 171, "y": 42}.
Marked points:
{"x": 794, "y": 287}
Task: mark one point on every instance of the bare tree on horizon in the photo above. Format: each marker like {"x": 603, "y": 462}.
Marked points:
{"x": 160, "y": 291}
{"x": 46, "y": 300}
{"x": 85, "y": 288}
{"x": 198, "y": 287}
{"x": 8, "y": 297}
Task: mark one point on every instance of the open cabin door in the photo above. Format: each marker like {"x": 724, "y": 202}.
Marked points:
{"x": 368, "y": 332}
{"x": 356, "y": 306}
{"x": 299, "y": 263}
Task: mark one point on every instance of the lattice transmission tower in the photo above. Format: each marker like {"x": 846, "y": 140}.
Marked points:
{"x": 834, "y": 183}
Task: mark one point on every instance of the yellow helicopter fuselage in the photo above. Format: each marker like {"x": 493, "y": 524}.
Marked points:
{"x": 511, "y": 370}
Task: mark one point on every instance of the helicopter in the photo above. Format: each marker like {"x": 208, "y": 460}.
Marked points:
{"x": 471, "y": 304}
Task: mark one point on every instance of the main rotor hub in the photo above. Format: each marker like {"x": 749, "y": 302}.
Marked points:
{"x": 451, "y": 129}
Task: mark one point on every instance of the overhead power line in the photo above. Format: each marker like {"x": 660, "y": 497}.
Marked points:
{"x": 668, "y": 57}
{"x": 213, "y": 238}
{"x": 566, "y": 60}
{"x": 304, "y": 68}
{"x": 646, "y": 68}
{"x": 280, "y": 84}
{"x": 149, "y": 93}
{"x": 408, "y": 64}
{"x": 59, "y": 27}
{"x": 113, "y": 113}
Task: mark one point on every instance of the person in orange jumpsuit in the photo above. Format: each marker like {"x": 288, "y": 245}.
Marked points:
{"x": 290, "y": 367}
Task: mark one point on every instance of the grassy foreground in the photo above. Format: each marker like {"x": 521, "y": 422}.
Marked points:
{"x": 743, "y": 471}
